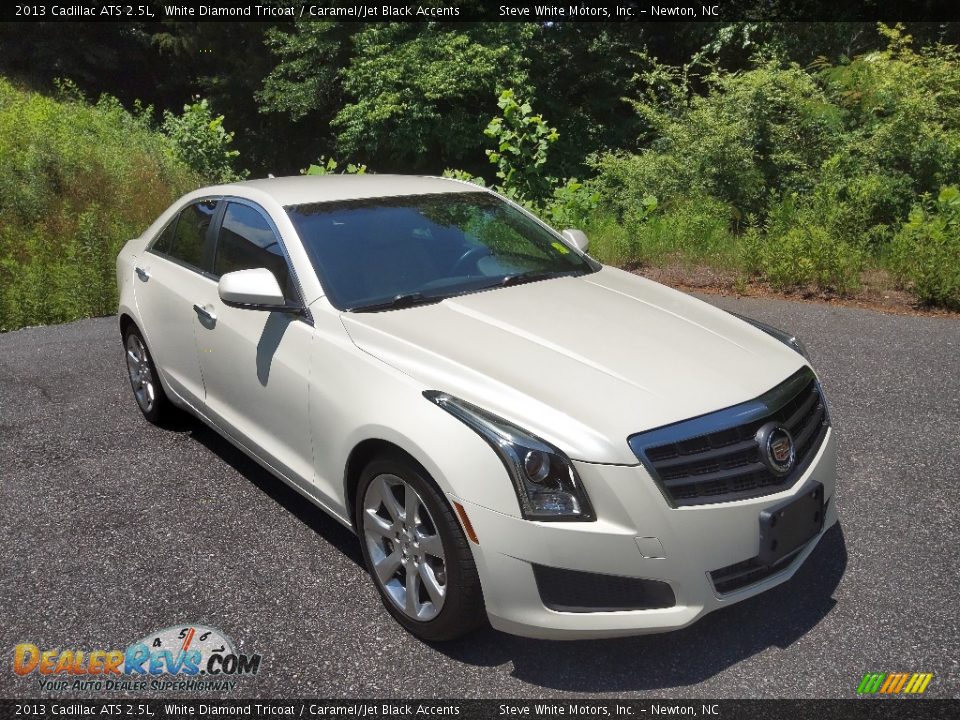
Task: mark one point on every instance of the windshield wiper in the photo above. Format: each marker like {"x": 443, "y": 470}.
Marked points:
{"x": 398, "y": 302}
{"x": 529, "y": 276}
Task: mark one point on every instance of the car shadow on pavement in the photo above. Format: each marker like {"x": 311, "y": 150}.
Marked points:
{"x": 778, "y": 617}
{"x": 295, "y": 503}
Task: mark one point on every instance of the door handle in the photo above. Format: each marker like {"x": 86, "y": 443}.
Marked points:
{"x": 205, "y": 314}
{"x": 143, "y": 273}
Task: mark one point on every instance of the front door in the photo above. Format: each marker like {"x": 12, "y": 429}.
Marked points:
{"x": 255, "y": 363}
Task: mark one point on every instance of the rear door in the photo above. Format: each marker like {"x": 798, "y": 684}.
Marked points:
{"x": 173, "y": 272}
{"x": 255, "y": 363}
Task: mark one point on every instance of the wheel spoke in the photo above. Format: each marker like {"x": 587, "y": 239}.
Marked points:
{"x": 411, "y": 502}
{"x": 376, "y": 524}
{"x": 389, "y": 500}
{"x": 387, "y": 566}
{"x": 412, "y": 602}
{"x": 432, "y": 545}
{"x": 429, "y": 580}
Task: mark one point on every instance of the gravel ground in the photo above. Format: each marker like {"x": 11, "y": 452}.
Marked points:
{"x": 114, "y": 528}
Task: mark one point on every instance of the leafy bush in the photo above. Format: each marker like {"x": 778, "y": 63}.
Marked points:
{"x": 76, "y": 181}
{"x": 522, "y": 142}
{"x": 201, "y": 141}
{"x": 416, "y": 92}
{"x": 811, "y": 256}
{"x": 328, "y": 166}
{"x": 752, "y": 131}
{"x": 464, "y": 176}
{"x": 692, "y": 231}
{"x": 572, "y": 205}
{"x": 689, "y": 231}
{"x": 926, "y": 251}
{"x": 819, "y": 167}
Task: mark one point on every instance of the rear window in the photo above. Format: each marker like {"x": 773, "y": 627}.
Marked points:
{"x": 165, "y": 238}
{"x": 189, "y": 240}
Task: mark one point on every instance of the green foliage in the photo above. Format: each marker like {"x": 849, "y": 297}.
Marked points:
{"x": 202, "y": 142}
{"x": 798, "y": 154}
{"x": 925, "y": 253}
{"x": 811, "y": 256}
{"x": 76, "y": 181}
{"x": 819, "y": 167}
{"x": 464, "y": 176}
{"x": 307, "y": 77}
{"x": 522, "y": 141}
{"x": 417, "y": 93}
{"x": 752, "y": 132}
{"x": 328, "y": 166}
{"x": 572, "y": 205}
{"x": 692, "y": 230}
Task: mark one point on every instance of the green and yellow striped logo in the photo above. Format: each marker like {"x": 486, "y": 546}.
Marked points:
{"x": 894, "y": 683}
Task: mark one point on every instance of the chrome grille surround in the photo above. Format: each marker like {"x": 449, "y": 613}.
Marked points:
{"x": 715, "y": 458}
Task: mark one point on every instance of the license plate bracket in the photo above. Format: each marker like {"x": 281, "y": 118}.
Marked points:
{"x": 791, "y": 524}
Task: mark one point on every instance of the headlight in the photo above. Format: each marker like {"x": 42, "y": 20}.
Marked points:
{"x": 786, "y": 338}
{"x": 546, "y": 482}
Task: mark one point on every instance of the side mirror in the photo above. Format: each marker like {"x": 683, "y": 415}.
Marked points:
{"x": 255, "y": 289}
{"x": 577, "y": 238}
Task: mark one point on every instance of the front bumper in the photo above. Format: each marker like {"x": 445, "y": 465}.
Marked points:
{"x": 694, "y": 540}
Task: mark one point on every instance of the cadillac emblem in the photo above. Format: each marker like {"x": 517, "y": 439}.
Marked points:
{"x": 776, "y": 447}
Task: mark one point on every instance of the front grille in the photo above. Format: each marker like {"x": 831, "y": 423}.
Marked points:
{"x": 575, "y": 591}
{"x": 715, "y": 458}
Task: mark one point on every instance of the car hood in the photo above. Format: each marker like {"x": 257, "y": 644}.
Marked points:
{"x": 585, "y": 361}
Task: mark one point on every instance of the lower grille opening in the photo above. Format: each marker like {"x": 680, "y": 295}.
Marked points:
{"x": 746, "y": 573}
{"x": 749, "y": 572}
{"x": 575, "y": 591}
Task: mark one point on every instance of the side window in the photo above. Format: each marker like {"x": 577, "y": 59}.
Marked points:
{"x": 165, "y": 238}
{"x": 190, "y": 235}
{"x": 246, "y": 242}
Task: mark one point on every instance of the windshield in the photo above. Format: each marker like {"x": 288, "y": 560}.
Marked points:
{"x": 399, "y": 251}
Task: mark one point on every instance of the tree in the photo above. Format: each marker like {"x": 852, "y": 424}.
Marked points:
{"x": 400, "y": 96}
{"x": 419, "y": 94}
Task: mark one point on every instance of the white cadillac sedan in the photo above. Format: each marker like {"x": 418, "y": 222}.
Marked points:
{"x": 514, "y": 431}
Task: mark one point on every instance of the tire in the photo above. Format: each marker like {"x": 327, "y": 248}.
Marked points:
{"x": 145, "y": 381}
{"x": 394, "y": 545}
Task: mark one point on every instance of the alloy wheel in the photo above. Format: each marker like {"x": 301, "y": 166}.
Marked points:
{"x": 405, "y": 548}
{"x": 141, "y": 376}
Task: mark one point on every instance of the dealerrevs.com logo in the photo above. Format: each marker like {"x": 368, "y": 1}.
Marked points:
{"x": 180, "y": 658}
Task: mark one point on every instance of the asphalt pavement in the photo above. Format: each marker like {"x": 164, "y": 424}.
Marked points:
{"x": 111, "y": 528}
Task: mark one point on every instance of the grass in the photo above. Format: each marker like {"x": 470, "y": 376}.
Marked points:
{"x": 76, "y": 181}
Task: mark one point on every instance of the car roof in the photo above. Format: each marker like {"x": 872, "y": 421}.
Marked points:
{"x": 305, "y": 189}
